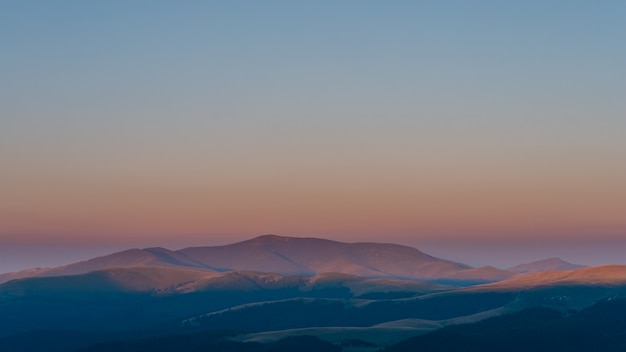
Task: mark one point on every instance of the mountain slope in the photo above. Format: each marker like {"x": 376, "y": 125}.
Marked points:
{"x": 117, "y": 279}
{"x": 597, "y": 275}
{"x": 159, "y": 257}
{"x": 564, "y": 294}
{"x": 132, "y": 297}
{"x": 149, "y": 257}
{"x": 600, "y": 327}
{"x": 545, "y": 265}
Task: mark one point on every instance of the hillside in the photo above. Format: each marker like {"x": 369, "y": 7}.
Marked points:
{"x": 600, "y": 327}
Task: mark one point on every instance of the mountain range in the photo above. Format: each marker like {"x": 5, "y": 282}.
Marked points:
{"x": 288, "y": 256}
{"x": 262, "y": 294}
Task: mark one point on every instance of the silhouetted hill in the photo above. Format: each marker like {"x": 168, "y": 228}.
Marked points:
{"x": 601, "y": 327}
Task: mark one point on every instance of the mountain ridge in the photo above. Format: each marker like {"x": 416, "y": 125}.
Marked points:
{"x": 289, "y": 256}
{"x": 544, "y": 265}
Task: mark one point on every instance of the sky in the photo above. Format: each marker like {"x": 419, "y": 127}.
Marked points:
{"x": 483, "y": 131}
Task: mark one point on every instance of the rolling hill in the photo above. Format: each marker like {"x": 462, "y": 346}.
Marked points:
{"x": 601, "y": 327}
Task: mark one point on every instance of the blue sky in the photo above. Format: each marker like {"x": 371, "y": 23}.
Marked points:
{"x": 162, "y": 122}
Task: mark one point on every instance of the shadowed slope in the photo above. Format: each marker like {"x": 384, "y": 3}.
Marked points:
{"x": 598, "y": 328}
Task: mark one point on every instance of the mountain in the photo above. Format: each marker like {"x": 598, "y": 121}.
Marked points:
{"x": 115, "y": 279}
{"x": 362, "y": 296}
{"x": 309, "y": 256}
{"x": 149, "y": 257}
{"x": 544, "y": 265}
{"x": 290, "y": 256}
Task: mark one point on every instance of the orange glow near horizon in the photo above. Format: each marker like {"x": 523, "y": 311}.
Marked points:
{"x": 453, "y": 205}
{"x": 416, "y": 120}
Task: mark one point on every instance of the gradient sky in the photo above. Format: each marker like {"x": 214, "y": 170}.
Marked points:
{"x": 445, "y": 125}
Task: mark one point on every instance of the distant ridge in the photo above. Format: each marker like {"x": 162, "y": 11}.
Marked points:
{"x": 596, "y": 275}
{"x": 289, "y": 256}
{"x": 545, "y": 265}
{"x": 149, "y": 257}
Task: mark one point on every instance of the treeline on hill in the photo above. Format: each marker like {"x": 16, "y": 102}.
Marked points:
{"x": 601, "y": 327}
